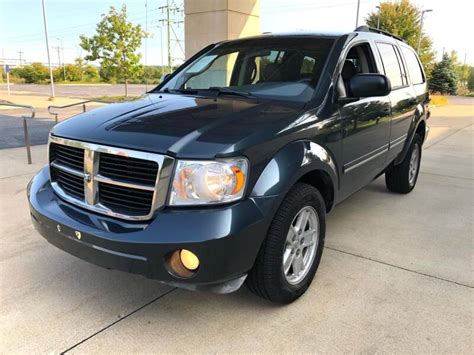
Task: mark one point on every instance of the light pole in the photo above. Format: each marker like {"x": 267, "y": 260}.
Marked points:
{"x": 378, "y": 17}
{"x": 21, "y": 60}
{"x": 146, "y": 45}
{"x": 357, "y": 15}
{"x": 62, "y": 54}
{"x": 421, "y": 28}
{"x": 161, "y": 49}
{"x": 47, "y": 49}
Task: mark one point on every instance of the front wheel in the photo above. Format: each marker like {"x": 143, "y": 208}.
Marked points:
{"x": 402, "y": 178}
{"x": 291, "y": 252}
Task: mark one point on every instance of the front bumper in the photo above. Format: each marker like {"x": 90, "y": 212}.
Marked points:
{"x": 226, "y": 239}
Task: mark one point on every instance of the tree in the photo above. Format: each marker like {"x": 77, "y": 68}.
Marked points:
{"x": 462, "y": 73}
{"x": 470, "y": 80}
{"x": 443, "y": 78}
{"x": 114, "y": 45}
{"x": 403, "y": 19}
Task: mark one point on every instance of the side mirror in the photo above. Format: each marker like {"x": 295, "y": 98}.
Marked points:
{"x": 165, "y": 77}
{"x": 367, "y": 85}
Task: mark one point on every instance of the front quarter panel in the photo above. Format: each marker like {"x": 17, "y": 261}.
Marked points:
{"x": 290, "y": 164}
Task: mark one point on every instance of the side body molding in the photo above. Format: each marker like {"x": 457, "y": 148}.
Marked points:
{"x": 290, "y": 164}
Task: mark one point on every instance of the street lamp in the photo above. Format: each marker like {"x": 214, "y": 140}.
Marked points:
{"x": 378, "y": 17}
{"x": 47, "y": 50}
{"x": 421, "y": 28}
{"x": 357, "y": 14}
{"x": 62, "y": 54}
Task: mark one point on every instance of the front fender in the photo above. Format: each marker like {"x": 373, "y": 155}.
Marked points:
{"x": 290, "y": 164}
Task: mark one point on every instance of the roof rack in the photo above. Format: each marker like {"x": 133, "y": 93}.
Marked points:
{"x": 376, "y": 30}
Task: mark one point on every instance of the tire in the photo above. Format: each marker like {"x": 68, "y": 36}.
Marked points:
{"x": 267, "y": 278}
{"x": 402, "y": 178}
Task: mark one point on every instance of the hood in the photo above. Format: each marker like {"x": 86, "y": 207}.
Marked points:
{"x": 181, "y": 126}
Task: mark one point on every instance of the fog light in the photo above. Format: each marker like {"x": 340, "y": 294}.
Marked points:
{"x": 189, "y": 259}
{"x": 182, "y": 263}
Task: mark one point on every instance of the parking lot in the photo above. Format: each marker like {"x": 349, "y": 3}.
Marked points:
{"x": 396, "y": 275}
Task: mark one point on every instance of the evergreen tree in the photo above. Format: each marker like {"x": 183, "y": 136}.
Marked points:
{"x": 443, "y": 77}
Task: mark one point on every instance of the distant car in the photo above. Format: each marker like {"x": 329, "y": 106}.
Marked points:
{"x": 225, "y": 172}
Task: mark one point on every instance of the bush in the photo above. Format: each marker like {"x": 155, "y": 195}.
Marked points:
{"x": 33, "y": 73}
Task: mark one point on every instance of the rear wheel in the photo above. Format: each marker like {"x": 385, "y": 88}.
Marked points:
{"x": 402, "y": 178}
{"x": 292, "y": 250}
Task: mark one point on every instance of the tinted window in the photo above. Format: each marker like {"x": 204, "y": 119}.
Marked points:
{"x": 391, "y": 64}
{"x": 414, "y": 67}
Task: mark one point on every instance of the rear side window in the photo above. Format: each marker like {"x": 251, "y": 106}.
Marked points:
{"x": 391, "y": 64}
{"x": 414, "y": 66}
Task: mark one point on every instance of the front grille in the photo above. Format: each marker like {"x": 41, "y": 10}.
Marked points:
{"x": 114, "y": 181}
{"x": 72, "y": 184}
{"x": 68, "y": 156}
{"x": 124, "y": 168}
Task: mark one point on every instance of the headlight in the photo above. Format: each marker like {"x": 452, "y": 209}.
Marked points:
{"x": 208, "y": 182}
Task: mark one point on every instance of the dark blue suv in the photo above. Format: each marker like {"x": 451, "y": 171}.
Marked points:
{"x": 225, "y": 172}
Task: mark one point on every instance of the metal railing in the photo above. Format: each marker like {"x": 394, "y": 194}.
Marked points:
{"x": 51, "y": 111}
{"x": 82, "y": 103}
{"x": 25, "y": 126}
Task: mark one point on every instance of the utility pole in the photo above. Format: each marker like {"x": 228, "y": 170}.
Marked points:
{"x": 421, "y": 29}
{"x": 47, "y": 49}
{"x": 169, "y": 22}
{"x": 20, "y": 53}
{"x": 378, "y": 18}
{"x": 357, "y": 16}
{"x": 59, "y": 56}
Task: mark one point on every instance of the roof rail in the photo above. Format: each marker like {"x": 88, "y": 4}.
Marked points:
{"x": 376, "y": 30}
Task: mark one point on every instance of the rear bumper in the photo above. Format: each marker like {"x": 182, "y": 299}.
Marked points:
{"x": 226, "y": 239}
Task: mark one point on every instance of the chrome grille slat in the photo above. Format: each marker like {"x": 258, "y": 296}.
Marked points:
{"x": 134, "y": 185}
{"x": 107, "y": 173}
{"x": 67, "y": 169}
{"x": 118, "y": 182}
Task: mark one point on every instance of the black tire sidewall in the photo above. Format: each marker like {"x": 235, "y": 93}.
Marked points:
{"x": 310, "y": 196}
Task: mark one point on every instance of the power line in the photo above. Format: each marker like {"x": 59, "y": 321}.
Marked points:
{"x": 174, "y": 17}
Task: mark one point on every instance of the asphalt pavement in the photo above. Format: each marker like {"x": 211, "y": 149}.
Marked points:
{"x": 13, "y": 132}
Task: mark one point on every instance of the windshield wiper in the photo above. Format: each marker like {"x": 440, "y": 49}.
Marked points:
{"x": 179, "y": 91}
{"x": 228, "y": 91}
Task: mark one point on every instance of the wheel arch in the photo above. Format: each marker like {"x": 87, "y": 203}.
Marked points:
{"x": 322, "y": 181}
{"x": 420, "y": 129}
{"x": 299, "y": 161}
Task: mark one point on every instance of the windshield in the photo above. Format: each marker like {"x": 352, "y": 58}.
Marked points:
{"x": 285, "y": 68}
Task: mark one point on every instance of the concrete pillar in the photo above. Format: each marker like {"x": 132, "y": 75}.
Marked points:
{"x": 210, "y": 21}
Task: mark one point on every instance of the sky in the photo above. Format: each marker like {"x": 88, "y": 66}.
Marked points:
{"x": 22, "y": 28}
